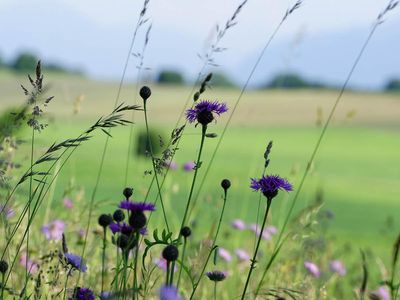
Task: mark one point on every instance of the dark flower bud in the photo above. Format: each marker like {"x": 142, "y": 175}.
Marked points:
{"x": 122, "y": 241}
{"x": 226, "y": 184}
{"x": 208, "y": 78}
{"x": 216, "y": 276}
{"x": 186, "y": 232}
{"x": 145, "y": 92}
{"x": 205, "y": 117}
{"x": 118, "y": 215}
{"x": 137, "y": 220}
{"x": 105, "y": 220}
{"x": 170, "y": 253}
{"x": 202, "y": 88}
{"x": 196, "y": 96}
{"x": 127, "y": 192}
{"x": 3, "y": 266}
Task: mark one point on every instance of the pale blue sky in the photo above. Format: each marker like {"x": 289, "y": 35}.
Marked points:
{"x": 319, "y": 40}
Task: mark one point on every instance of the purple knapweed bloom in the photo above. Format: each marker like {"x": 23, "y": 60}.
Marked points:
{"x": 68, "y": 203}
{"x": 54, "y": 230}
{"x": 75, "y": 261}
{"x": 312, "y": 269}
{"x": 31, "y": 265}
{"x": 189, "y": 166}
{"x": 224, "y": 254}
{"x": 382, "y": 293}
{"x": 169, "y": 292}
{"x": 83, "y": 294}
{"x": 137, "y": 206}
{"x": 271, "y": 230}
{"x": 242, "y": 255}
{"x": 338, "y": 267}
{"x": 270, "y": 185}
{"x": 204, "y": 111}
{"x": 216, "y": 276}
{"x": 238, "y": 224}
{"x": 125, "y": 228}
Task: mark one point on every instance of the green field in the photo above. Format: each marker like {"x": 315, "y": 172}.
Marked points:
{"x": 356, "y": 168}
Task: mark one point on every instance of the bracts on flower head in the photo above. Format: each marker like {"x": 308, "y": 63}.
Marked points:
{"x": 216, "y": 275}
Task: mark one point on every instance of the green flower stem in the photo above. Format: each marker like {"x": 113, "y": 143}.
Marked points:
{"x": 2, "y": 286}
{"x": 171, "y": 281}
{"x": 103, "y": 259}
{"x": 203, "y": 135}
{"x": 135, "y": 283}
{"x": 66, "y": 283}
{"x": 125, "y": 255}
{"x": 167, "y": 275}
{"x": 154, "y": 165}
{"x": 253, "y": 261}
{"x": 116, "y": 271}
{"x": 182, "y": 261}
{"x": 211, "y": 250}
{"x": 215, "y": 290}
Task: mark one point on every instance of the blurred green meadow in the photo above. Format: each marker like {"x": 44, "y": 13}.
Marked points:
{"x": 356, "y": 171}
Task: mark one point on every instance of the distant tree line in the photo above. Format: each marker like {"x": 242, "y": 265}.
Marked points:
{"x": 26, "y": 62}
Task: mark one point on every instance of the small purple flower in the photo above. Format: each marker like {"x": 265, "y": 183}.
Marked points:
{"x": 216, "y": 276}
{"x": 75, "y": 261}
{"x": 338, "y": 267}
{"x": 270, "y": 185}
{"x": 238, "y": 224}
{"x": 271, "y": 230}
{"x": 137, "y": 206}
{"x": 189, "y": 166}
{"x": 224, "y": 254}
{"x": 8, "y": 212}
{"x": 255, "y": 228}
{"x": 31, "y": 265}
{"x": 54, "y": 230}
{"x": 382, "y": 293}
{"x": 266, "y": 235}
{"x": 242, "y": 255}
{"x": 204, "y": 111}
{"x": 125, "y": 228}
{"x": 83, "y": 294}
{"x": 170, "y": 164}
{"x": 68, "y": 203}
{"x": 106, "y": 295}
{"x": 161, "y": 263}
{"x": 169, "y": 292}
{"x": 312, "y": 269}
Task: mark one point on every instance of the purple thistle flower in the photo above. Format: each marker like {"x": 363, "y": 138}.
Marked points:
{"x": 189, "y": 166}
{"x": 238, "y": 224}
{"x": 270, "y": 185}
{"x": 75, "y": 261}
{"x": 68, "y": 203}
{"x": 169, "y": 292}
{"x": 382, "y": 293}
{"x": 216, "y": 275}
{"x": 338, "y": 267}
{"x": 204, "y": 111}
{"x": 54, "y": 230}
{"x": 83, "y": 294}
{"x": 137, "y": 206}
{"x": 312, "y": 269}
{"x": 224, "y": 254}
{"x": 242, "y": 255}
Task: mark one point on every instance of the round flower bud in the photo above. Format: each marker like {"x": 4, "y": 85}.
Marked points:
{"x": 170, "y": 253}
{"x": 205, "y": 117}
{"x": 208, "y": 78}
{"x": 137, "y": 220}
{"x": 127, "y": 192}
{"x": 105, "y": 220}
{"x": 118, "y": 215}
{"x": 122, "y": 241}
{"x": 145, "y": 92}
{"x": 186, "y": 232}
{"x": 202, "y": 88}
{"x": 226, "y": 184}
{"x": 3, "y": 266}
